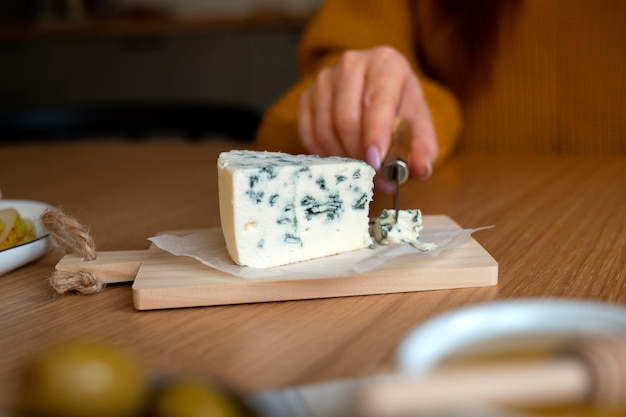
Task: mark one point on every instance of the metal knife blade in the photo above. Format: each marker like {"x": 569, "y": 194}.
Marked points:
{"x": 395, "y": 167}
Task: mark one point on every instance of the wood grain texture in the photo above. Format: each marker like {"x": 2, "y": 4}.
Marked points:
{"x": 162, "y": 280}
{"x": 171, "y": 282}
{"x": 560, "y": 231}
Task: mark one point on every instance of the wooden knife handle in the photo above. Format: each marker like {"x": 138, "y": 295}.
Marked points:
{"x": 591, "y": 372}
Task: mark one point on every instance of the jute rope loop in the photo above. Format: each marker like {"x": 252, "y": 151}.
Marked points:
{"x": 82, "y": 282}
{"x": 71, "y": 236}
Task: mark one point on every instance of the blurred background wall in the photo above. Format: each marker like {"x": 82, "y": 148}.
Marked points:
{"x": 76, "y": 52}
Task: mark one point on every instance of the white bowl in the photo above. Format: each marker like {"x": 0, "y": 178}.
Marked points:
{"x": 16, "y": 256}
{"x": 504, "y": 326}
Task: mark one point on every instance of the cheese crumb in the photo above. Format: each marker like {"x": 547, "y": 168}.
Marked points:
{"x": 385, "y": 230}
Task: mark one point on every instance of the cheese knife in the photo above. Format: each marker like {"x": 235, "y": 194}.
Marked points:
{"x": 395, "y": 167}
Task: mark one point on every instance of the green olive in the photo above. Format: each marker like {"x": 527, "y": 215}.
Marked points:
{"x": 188, "y": 397}
{"x": 81, "y": 379}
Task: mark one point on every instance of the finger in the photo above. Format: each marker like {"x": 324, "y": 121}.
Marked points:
{"x": 415, "y": 110}
{"x": 383, "y": 186}
{"x": 346, "y": 110}
{"x": 321, "y": 104}
{"x": 305, "y": 121}
{"x": 384, "y": 84}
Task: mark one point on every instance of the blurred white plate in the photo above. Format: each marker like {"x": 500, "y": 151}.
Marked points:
{"x": 498, "y": 327}
{"x": 16, "y": 256}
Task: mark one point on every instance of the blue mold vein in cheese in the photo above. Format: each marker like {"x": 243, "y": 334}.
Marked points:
{"x": 277, "y": 208}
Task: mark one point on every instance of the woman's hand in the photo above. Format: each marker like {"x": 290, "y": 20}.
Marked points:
{"x": 350, "y": 108}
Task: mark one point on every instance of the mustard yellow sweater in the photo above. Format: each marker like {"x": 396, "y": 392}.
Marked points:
{"x": 558, "y": 83}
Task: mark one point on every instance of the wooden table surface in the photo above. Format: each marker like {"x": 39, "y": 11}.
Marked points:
{"x": 560, "y": 231}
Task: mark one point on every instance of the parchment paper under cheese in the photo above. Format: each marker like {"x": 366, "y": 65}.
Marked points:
{"x": 208, "y": 247}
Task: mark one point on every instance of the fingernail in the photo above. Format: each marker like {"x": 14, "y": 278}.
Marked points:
{"x": 427, "y": 171}
{"x": 372, "y": 157}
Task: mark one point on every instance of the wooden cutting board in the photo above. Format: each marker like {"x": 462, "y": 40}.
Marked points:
{"x": 162, "y": 280}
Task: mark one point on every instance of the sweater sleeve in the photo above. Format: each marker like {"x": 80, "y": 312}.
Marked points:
{"x": 356, "y": 24}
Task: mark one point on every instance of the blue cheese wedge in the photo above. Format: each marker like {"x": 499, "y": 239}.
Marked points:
{"x": 277, "y": 208}
{"x": 386, "y": 230}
